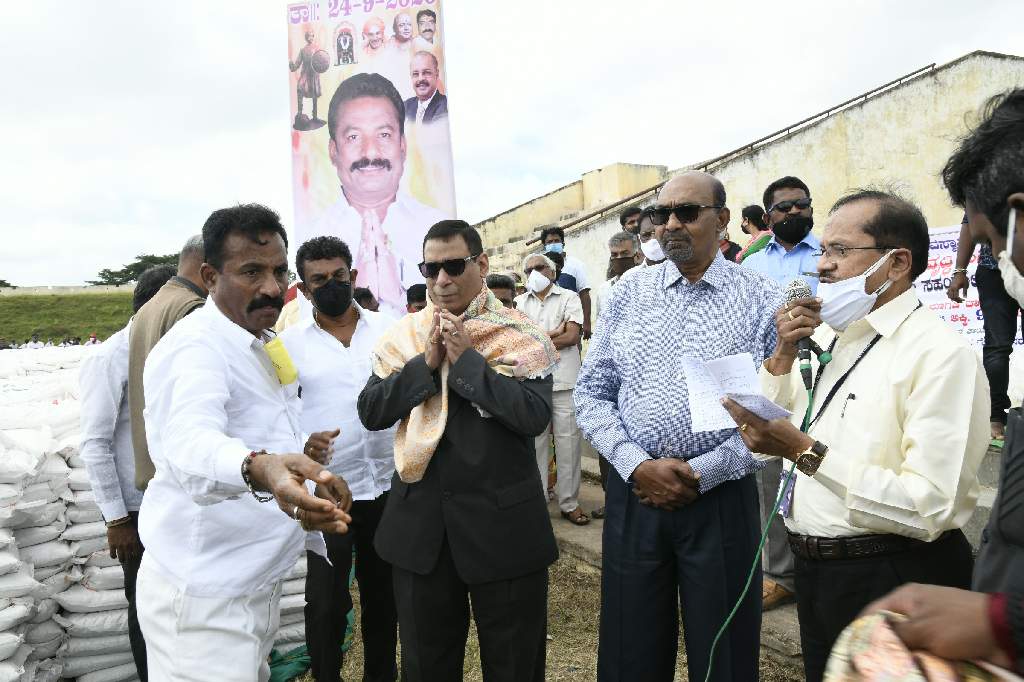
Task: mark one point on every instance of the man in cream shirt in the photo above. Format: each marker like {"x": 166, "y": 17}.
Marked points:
{"x": 887, "y": 471}
{"x": 216, "y": 407}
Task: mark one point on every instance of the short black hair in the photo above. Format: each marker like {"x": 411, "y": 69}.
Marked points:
{"x": 755, "y": 214}
{"x": 150, "y": 282}
{"x": 425, "y": 12}
{"x": 629, "y": 213}
{"x": 788, "y": 182}
{"x": 497, "y": 281}
{"x": 251, "y": 220}
{"x": 988, "y": 164}
{"x": 362, "y": 295}
{"x": 450, "y": 229}
{"x": 365, "y": 85}
{"x": 323, "y": 247}
{"x": 417, "y": 293}
{"x": 898, "y": 223}
{"x": 550, "y": 230}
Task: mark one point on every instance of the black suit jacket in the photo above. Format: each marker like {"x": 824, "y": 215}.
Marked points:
{"x": 481, "y": 488}
{"x": 437, "y": 109}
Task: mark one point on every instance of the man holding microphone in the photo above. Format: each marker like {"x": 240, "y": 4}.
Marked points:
{"x": 887, "y": 468}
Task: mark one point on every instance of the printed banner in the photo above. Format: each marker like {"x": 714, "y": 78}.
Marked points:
{"x": 932, "y": 285}
{"x": 371, "y": 149}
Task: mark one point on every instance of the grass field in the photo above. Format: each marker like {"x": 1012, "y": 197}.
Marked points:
{"x": 57, "y": 316}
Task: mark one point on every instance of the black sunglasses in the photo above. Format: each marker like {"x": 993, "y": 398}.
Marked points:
{"x": 684, "y": 213}
{"x": 785, "y": 206}
{"x": 454, "y": 267}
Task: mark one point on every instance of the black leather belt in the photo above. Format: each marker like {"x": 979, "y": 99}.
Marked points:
{"x": 814, "y": 548}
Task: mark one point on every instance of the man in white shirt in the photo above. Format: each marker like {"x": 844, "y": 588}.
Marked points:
{"x": 107, "y": 450}
{"x": 558, "y": 312}
{"x": 34, "y": 342}
{"x": 331, "y": 352}
{"x": 623, "y": 256}
{"x": 426, "y": 24}
{"x": 898, "y": 425}
{"x": 383, "y": 225}
{"x": 222, "y": 408}
{"x": 574, "y": 273}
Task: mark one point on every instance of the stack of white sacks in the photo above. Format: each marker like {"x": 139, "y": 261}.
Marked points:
{"x": 63, "y": 613}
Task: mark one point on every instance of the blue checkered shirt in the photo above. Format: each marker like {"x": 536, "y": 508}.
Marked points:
{"x": 631, "y": 397}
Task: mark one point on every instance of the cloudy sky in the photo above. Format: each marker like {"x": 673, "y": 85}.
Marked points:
{"x": 124, "y": 124}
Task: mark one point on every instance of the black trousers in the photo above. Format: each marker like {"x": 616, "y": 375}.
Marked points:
{"x": 433, "y": 617}
{"x": 1000, "y": 312}
{"x": 328, "y": 600}
{"x": 830, "y": 594}
{"x": 603, "y": 466}
{"x": 131, "y": 573}
{"x": 696, "y": 558}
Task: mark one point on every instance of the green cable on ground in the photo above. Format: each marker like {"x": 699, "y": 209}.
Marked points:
{"x": 760, "y": 547}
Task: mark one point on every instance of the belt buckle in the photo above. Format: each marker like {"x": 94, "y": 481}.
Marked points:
{"x": 830, "y": 548}
{"x": 813, "y": 548}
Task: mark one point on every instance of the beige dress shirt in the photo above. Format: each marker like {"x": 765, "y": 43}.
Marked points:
{"x": 906, "y": 431}
{"x": 560, "y": 305}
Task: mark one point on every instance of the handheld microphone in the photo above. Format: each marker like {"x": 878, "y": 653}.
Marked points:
{"x": 795, "y": 290}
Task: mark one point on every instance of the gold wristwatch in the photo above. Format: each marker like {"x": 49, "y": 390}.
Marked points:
{"x": 810, "y": 459}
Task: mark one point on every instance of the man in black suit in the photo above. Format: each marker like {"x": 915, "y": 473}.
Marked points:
{"x": 474, "y": 524}
{"x": 428, "y": 105}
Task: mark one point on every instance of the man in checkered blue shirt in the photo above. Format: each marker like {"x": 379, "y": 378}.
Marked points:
{"x": 682, "y": 523}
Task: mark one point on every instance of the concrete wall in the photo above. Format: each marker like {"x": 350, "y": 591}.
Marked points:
{"x": 902, "y": 138}
{"x": 595, "y": 189}
{"x": 43, "y": 291}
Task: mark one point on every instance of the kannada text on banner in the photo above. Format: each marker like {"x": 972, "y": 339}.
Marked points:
{"x": 967, "y": 317}
{"x": 371, "y": 148}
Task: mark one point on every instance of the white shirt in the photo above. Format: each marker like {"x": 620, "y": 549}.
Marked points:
{"x": 405, "y": 224}
{"x": 212, "y": 397}
{"x": 33, "y": 344}
{"x": 906, "y": 432}
{"x": 332, "y": 377}
{"x": 560, "y": 305}
{"x": 106, "y": 427}
{"x": 574, "y": 266}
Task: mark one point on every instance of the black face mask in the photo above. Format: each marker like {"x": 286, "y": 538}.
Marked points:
{"x": 793, "y": 229}
{"x": 333, "y": 298}
{"x": 617, "y": 266}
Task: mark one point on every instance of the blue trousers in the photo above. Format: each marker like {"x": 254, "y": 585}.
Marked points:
{"x": 696, "y": 559}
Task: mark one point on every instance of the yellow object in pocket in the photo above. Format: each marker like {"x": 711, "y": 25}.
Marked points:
{"x": 286, "y": 372}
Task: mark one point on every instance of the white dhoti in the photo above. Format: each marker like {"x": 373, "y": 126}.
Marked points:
{"x": 198, "y": 639}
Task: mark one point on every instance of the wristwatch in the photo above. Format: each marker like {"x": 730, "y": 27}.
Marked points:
{"x": 810, "y": 459}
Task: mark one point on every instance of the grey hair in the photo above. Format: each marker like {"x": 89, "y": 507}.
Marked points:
{"x": 192, "y": 250}
{"x": 620, "y": 237}
{"x": 547, "y": 261}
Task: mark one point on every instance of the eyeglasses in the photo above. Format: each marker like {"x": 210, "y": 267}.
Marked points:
{"x": 684, "y": 213}
{"x": 785, "y": 206}
{"x": 841, "y": 251}
{"x": 454, "y": 267}
{"x": 530, "y": 269}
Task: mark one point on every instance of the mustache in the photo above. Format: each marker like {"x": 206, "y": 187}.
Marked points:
{"x": 425, "y": 84}
{"x": 367, "y": 163}
{"x": 265, "y": 302}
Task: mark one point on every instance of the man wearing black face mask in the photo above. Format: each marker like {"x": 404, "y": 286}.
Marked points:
{"x": 331, "y": 353}
{"x": 788, "y": 254}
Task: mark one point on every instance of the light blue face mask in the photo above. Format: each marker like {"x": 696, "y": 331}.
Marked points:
{"x": 554, "y": 247}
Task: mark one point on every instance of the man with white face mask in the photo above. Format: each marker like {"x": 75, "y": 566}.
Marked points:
{"x": 898, "y": 425}
{"x": 560, "y": 313}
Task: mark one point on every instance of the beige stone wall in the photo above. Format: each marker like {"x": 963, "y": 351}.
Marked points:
{"x": 901, "y": 138}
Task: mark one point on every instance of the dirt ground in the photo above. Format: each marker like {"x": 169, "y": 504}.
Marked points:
{"x": 573, "y": 607}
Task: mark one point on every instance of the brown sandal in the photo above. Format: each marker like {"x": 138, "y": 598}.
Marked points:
{"x": 576, "y": 517}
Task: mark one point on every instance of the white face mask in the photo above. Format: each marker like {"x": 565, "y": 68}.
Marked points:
{"x": 845, "y": 302}
{"x": 537, "y": 282}
{"x": 652, "y": 249}
{"x": 1013, "y": 281}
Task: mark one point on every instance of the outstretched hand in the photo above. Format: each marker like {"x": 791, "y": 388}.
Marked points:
{"x": 777, "y": 437}
{"x": 285, "y": 476}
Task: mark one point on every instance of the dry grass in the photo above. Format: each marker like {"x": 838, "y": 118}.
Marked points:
{"x": 573, "y": 608}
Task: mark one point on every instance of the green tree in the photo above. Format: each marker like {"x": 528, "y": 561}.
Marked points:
{"x": 131, "y": 271}
{"x": 5, "y": 284}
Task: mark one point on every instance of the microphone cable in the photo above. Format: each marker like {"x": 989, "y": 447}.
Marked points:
{"x": 764, "y": 537}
